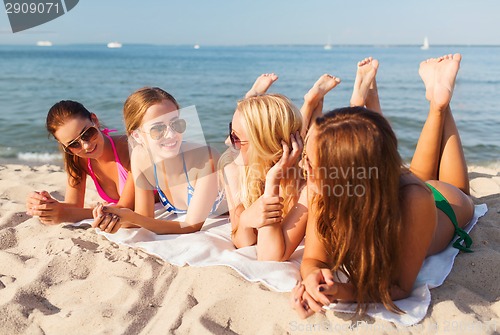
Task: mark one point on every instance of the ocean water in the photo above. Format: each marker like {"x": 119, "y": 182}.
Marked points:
{"x": 33, "y": 78}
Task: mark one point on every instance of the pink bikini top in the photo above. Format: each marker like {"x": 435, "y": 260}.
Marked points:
{"x": 122, "y": 172}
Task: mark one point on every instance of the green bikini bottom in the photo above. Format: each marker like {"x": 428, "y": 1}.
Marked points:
{"x": 445, "y": 207}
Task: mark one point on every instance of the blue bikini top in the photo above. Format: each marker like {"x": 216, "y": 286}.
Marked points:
{"x": 169, "y": 207}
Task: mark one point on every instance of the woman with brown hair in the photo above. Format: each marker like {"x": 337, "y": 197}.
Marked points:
{"x": 371, "y": 219}
{"x": 88, "y": 150}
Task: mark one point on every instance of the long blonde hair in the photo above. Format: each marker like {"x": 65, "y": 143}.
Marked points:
{"x": 137, "y": 104}
{"x": 269, "y": 120}
{"x": 361, "y": 228}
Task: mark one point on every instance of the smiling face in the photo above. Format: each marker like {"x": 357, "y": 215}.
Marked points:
{"x": 240, "y": 137}
{"x": 72, "y": 130}
{"x": 154, "y": 121}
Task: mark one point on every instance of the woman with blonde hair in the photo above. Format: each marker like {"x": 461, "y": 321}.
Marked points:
{"x": 261, "y": 175}
{"x": 372, "y": 219}
{"x": 182, "y": 173}
{"x": 264, "y": 185}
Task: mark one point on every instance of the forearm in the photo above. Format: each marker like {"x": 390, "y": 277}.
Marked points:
{"x": 72, "y": 213}
{"x": 164, "y": 226}
{"x": 244, "y": 236}
{"x": 309, "y": 265}
{"x": 270, "y": 243}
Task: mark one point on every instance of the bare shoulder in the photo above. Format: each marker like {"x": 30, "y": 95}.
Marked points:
{"x": 139, "y": 158}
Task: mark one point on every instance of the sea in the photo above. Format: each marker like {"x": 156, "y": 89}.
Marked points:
{"x": 214, "y": 78}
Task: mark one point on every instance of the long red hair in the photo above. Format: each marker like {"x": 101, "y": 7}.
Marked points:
{"x": 358, "y": 217}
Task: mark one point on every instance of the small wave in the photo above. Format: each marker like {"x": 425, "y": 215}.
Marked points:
{"x": 38, "y": 156}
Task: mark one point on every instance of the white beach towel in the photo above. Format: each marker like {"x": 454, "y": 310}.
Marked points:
{"x": 212, "y": 246}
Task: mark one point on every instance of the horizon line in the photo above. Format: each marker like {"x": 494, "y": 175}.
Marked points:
{"x": 260, "y": 44}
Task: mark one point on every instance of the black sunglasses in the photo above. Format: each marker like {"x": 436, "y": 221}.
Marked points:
{"x": 235, "y": 140}
{"x": 76, "y": 145}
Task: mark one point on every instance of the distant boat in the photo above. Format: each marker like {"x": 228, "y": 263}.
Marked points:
{"x": 44, "y": 43}
{"x": 114, "y": 45}
{"x": 425, "y": 46}
{"x": 196, "y": 46}
{"x": 328, "y": 46}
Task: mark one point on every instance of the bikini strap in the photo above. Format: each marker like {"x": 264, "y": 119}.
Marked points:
{"x": 444, "y": 205}
{"x": 106, "y": 132}
{"x": 185, "y": 170}
{"x": 156, "y": 176}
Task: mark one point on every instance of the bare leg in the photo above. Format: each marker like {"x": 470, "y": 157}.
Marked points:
{"x": 261, "y": 85}
{"x": 313, "y": 100}
{"x": 452, "y": 166}
{"x": 439, "y": 154}
{"x": 372, "y": 99}
{"x": 365, "y": 91}
{"x": 439, "y": 157}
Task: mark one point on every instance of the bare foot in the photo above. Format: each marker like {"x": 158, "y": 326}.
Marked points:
{"x": 262, "y": 84}
{"x": 321, "y": 87}
{"x": 365, "y": 80}
{"x": 438, "y": 75}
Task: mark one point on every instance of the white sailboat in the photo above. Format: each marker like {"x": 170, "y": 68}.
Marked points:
{"x": 425, "y": 46}
{"x": 114, "y": 45}
{"x": 196, "y": 46}
{"x": 44, "y": 43}
{"x": 328, "y": 46}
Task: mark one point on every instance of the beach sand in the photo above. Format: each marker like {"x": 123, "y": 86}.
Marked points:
{"x": 69, "y": 280}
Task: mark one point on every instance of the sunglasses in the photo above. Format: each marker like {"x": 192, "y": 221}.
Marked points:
{"x": 235, "y": 140}
{"x": 76, "y": 145}
{"x": 158, "y": 131}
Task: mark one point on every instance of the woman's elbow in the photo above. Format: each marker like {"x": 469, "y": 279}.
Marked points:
{"x": 398, "y": 293}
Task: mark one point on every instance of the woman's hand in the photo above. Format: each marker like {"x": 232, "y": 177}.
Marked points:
{"x": 105, "y": 221}
{"x": 265, "y": 211}
{"x": 303, "y": 303}
{"x": 48, "y": 209}
{"x": 287, "y": 160}
{"x": 320, "y": 286}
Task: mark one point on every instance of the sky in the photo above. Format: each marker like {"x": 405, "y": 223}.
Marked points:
{"x": 242, "y": 22}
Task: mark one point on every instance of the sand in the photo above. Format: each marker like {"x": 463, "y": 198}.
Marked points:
{"x": 68, "y": 280}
